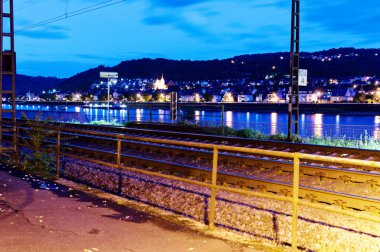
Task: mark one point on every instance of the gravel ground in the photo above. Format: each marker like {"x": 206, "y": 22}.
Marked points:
{"x": 255, "y": 219}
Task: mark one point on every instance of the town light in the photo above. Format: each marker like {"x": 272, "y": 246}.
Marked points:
{"x": 76, "y": 96}
{"x": 275, "y": 97}
{"x": 197, "y": 99}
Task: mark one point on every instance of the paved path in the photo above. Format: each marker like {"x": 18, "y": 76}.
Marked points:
{"x": 38, "y": 217}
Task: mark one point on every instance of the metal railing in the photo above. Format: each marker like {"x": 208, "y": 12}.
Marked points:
{"x": 213, "y": 186}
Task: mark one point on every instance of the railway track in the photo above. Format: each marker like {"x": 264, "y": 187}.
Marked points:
{"x": 354, "y": 187}
{"x": 238, "y": 142}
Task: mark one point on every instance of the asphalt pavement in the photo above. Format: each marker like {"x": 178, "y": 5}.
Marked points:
{"x": 41, "y": 216}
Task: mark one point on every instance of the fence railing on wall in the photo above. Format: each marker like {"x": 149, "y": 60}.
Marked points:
{"x": 213, "y": 186}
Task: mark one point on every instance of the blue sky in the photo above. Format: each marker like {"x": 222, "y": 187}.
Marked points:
{"x": 181, "y": 29}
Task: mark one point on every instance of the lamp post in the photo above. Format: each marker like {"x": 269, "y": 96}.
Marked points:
{"x": 108, "y": 75}
{"x": 108, "y": 99}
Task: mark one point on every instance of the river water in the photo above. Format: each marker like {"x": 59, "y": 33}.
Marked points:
{"x": 349, "y": 125}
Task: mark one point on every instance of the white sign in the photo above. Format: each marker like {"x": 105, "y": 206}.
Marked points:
{"x": 109, "y": 75}
{"x": 302, "y": 77}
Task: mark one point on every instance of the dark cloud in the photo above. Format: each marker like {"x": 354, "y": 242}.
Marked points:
{"x": 180, "y": 23}
{"x": 176, "y": 3}
{"x": 352, "y": 17}
{"x": 53, "y": 32}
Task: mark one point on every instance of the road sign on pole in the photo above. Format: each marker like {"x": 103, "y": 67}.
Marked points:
{"x": 302, "y": 77}
{"x": 109, "y": 75}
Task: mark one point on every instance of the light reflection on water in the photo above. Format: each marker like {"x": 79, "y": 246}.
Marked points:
{"x": 196, "y": 116}
{"x": 319, "y": 125}
{"x": 376, "y": 131}
{"x": 273, "y": 123}
{"x": 139, "y": 114}
{"x": 229, "y": 119}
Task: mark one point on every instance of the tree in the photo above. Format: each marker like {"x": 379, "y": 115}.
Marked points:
{"x": 146, "y": 96}
{"x": 207, "y": 97}
{"x": 48, "y": 97}
{"x": 120, "y": 97}
{"x": 38, "y": 156}
{"x": 359, "y": 97}
{"x": 69, "y": 97}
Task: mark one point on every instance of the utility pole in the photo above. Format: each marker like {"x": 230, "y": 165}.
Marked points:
{"x": 293, "y": 107}
{"x": 173, "y": 106}
{"x": 8, "y": 77}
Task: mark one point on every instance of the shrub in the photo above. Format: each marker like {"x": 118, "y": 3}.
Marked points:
{"x": 249, "y": 133}
{"x": 38, "y": 157}
{"x": 278, "y": 137}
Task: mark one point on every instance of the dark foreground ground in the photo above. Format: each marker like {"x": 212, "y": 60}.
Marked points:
{"x": 36, "y": 215}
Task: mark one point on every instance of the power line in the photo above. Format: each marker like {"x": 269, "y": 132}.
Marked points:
{"x": 71, "y": 14}
{"x": 26, "y": 4}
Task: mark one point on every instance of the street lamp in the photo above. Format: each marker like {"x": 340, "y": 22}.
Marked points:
{"x": 108, "y": 75}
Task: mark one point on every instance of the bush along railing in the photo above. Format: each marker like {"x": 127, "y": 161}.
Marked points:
{"x": 38, "y": 143}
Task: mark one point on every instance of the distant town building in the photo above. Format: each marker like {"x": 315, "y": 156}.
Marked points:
{"x": 159, "y": 84}
{"x": 343, "y": 95}
{"x": 245, "y": 98}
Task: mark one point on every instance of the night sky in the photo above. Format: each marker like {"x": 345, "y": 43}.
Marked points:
{"x": 180, "y": 29}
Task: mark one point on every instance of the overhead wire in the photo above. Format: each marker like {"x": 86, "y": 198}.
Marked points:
{"x": 81, "y": 11}
{"x": 26, "y": 4}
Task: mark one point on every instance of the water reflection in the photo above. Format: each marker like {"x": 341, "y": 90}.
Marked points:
{"x": 376, "y": 132}
{"x": 318, "y": 127}
{"x": 161, "y": 115}
{"x": 273, "y": 123}
{"x": 337, "y": 125}
{"x": 248, "y": 119}
{"x": 139, "y": 114}
{"x": 196, "y": 116}
{"x": 229, "y": 120}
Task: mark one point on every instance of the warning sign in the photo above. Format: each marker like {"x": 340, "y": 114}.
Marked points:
{"x": 302, "y": 77}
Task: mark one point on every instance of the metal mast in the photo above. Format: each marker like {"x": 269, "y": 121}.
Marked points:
{"x": 294, "y": 70}
{"x": 8, "y": 76}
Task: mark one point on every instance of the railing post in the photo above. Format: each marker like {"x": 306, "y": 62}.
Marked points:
{"x": 118, "y": 163}
{"x": 223, "y": 120}
{"x": 179, "y": 114}
{"x": 58, "y": 151}
{"x": 128, "y": 113}
{"x": 118, "y": 157}
{"x": 150, "y": 114}
{"x": 211, "y": 214}
{"x": 296, "y": 177}
{"x": 17, "y": 154}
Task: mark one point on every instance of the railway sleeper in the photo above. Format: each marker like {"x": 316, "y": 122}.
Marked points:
{"x": 287, "y": 167}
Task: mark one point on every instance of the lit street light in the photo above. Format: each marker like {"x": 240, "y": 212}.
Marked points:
{"x": 108, "y": 75}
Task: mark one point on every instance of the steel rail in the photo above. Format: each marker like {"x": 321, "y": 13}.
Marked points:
{"x": 313, "y": 194}
{"x": 321, "y": 171}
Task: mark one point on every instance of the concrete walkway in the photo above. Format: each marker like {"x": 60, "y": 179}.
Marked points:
{"x": 36, "y": 216}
